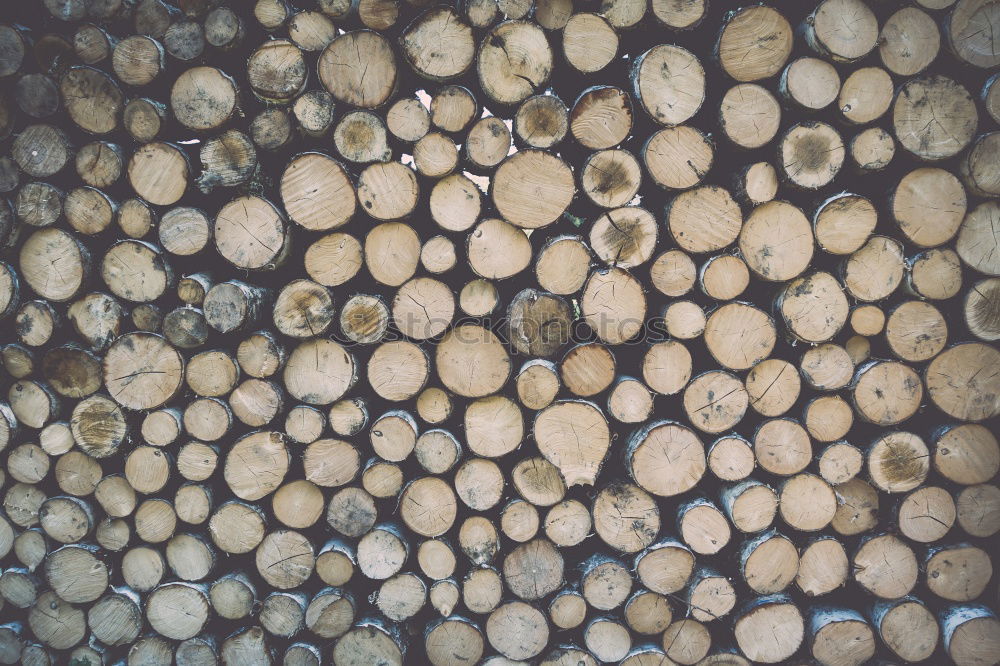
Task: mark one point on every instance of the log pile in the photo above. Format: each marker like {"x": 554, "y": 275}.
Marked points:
{"x": 499, "y": 331}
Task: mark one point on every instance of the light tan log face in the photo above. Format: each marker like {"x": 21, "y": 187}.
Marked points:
{"x": 494, "y": 332}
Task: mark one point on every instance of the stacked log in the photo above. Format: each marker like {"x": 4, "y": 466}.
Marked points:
{"x": 499, "y": 331}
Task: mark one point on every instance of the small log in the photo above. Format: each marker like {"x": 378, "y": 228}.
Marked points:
{"x": 310, "y": 30}
{"x": 959, "y": 396}
{"x": 482, "y": 588}
{"x": 827, "y": 367}
{"x": 277, "y": 71}
{"x": 538, "y": 481}
{"x": 519, "y": 520}
{"x": 857, "y": 508}
{"x": 347, "y": 417}
{"x": 144, "y": 119}
{"x": 991, "y": 97}
{"x": 814, "y": 307}
{"x": 333, "y": 259}
{"x": 487, "y": 144}
{"x": 916, "y": 331}
{"x": 232, "y": 596}
{"x": 773, "y": 386}
{"x": 840, "y": 462}
{"x": 360, "y": 136}
{"x": 898, "y": 396}
{"x": 907, "y": 627}
{"x": 135, "y": 218}
{"x": 138, "y": 60}
{"x": 518, "y": 179}
{"x": 541, "y": 121}
{"x": 911, "y": 111}
{"x": 370, "y": 640}
{"x": 768, "y": 562}
{"x": 223, "y": 28}
{"x": 909, "y": 41}
{"x": 344, "y": 54}
{"x": 116, "y": 619}
{"x": 580, "y": 35}
{"x": 194, "y": 501}
{"x": 831, "y": 629}
{"x": 910, "y": 201}
{"x": 973, "y": 245}
{"x": 282, "y": 613}
{"x": 246, "y": 645}
{"x": 810, "y": 83}
{"x": 409, "y": 120}
{"x": 885, "y": 566}
{"x": 708, "y": 413}
{"x": 100, "y": 163}
{"x": 314, "y": 112}
{"x": 142, "y": 568}
{"x": 56, "y": 623}
{"x": 606, "y": 638}
{"x": 382, "y": 552}
{"x": 968, "y": 634}
{"x": 510, "y": 82}
{"x": 453, "y": 638}
{"x": 825, "y": 34}
{"x": 926, "y": 514}
{"x": 679, "y": 15}
{"x": 14, "y": 46}
{"x": 976, "y": 506}
{"x": 91, "y": 98}
{"x": 865, "y": 95}
{"x": 807, "y": 503}
{"x": 872, "y": 149}
{"x": 272, "y": 129}
{"x": 811, "y": 154}
{"x": 184, "y": 40}
{"x": 438, "y": 26}
{"x": 567, "y": 523}
{"x": 435, "y": 155}
{"x": 751, "y": 506}
{"x": 611, "y": 178}
{"x": 829, "y": 418}
{"x": 517, "y": 630}
{"x": 961, "y": 32}
{"x": 823, "y": 566}
{"x": 283, "y": 571}
{"x": 959, "y": 572}
{"x": 250, "y": 233}
{"x": 136, "y": 271}
{"x": 754, "y": 43}
{"x": 774, "y": 616}
{"x": 567, "y": 609}
{"x": 203, "y": 98}
{"x": 453, "y": 108}
{"x": 37, "y": 204}
{"x": 562, "y": 265}
{"x": 977, "y": 168}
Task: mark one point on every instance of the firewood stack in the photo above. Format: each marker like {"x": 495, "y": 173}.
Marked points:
{"x": 563, "y": 332}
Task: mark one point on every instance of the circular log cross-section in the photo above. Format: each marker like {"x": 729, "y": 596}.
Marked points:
{"x": 250, "y": 233}
{"x": 919, "y": 102}
{"x": 510, "y": 80}
{"x": 366, "y": 81}
{"x": 754, "y": 43}
{"x": 142, "y": 371}
{"x": 158, "y": 172}
{"x": 203, "y": 98}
